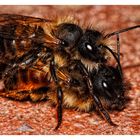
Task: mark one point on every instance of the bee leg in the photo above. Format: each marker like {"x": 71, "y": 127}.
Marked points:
{"x": 16, "y": 95}
{"x": 32, "y": 57}
{"x": 20, "y": 95}
{"x": 59, "y": 107}
{"x": 97, "y": 101}
{"x": 85, "y": 74}
{"x": 59, "y": 93}
{"x": 103, "y": 112}
{"x": 34, "y": 94}
{"x": 25, "y": 61}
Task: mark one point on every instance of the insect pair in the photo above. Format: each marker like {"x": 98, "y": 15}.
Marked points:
{"x": 62, "y": 63}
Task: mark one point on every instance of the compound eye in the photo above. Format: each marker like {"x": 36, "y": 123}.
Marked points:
{"x": 74, "y": 82}
{"x": 105, "y": 84}
{"x": 89, "y": 47}
{"x": 64, "y": 43}
{"x": 107, "y": 89}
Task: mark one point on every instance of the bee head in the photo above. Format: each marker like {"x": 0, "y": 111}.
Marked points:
{"x": 109, "y": 87}
{"x": 90, "y": 49}
{"x": 86, "y": 43}
{"x": 68, "y": 34}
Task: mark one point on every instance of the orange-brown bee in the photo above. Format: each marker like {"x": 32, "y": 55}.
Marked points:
{"x": 59, "y": 61}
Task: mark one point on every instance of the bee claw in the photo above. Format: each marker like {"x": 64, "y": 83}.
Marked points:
{"x": 113, "y": 124}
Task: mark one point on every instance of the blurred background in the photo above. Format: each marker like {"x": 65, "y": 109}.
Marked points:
{"x": 30, "y": 118}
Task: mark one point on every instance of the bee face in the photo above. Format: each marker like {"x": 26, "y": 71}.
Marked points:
{"x": 88, "y": 47}
{"x": 108, "y": 86}
{"x": 85, "y": 42}
{"x": 68, "y": 34}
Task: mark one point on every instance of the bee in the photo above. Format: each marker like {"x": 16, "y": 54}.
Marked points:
{"x": 34, "y": 49}
{"x": 108, "y": 88}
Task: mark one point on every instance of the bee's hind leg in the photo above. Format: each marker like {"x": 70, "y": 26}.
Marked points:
{"x": 33, "y": 94}
{"x": 59, "y": 93}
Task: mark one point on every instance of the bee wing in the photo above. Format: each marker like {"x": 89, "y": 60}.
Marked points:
{"x": 63, "y": 76}
{"x": 21, "y": 19}
{"x": 18, "y": 27}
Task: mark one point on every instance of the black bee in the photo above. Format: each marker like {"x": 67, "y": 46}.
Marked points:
{"x": 30, "y": 47}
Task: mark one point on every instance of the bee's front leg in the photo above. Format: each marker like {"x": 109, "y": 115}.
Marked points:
{"x": 97, "y": 101}
{"x": 59, "y": 93}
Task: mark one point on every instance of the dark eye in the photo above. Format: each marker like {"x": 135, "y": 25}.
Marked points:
{"x": 88, "y": 46}
{"x": 75, "y": 82}
{"x": 64, "y": 43}
{"x": 105, "y": 85}
{"x": 107, "y": 89}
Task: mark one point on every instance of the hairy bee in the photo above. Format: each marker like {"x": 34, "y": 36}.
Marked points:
{"x": 108, "y": 90}
{"x": 40, "y": 49}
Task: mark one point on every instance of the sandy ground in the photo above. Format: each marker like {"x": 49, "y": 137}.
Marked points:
{"x": 39, "y": 118}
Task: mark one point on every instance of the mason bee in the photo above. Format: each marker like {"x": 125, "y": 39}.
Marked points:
{"x": 40, "y": 50}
